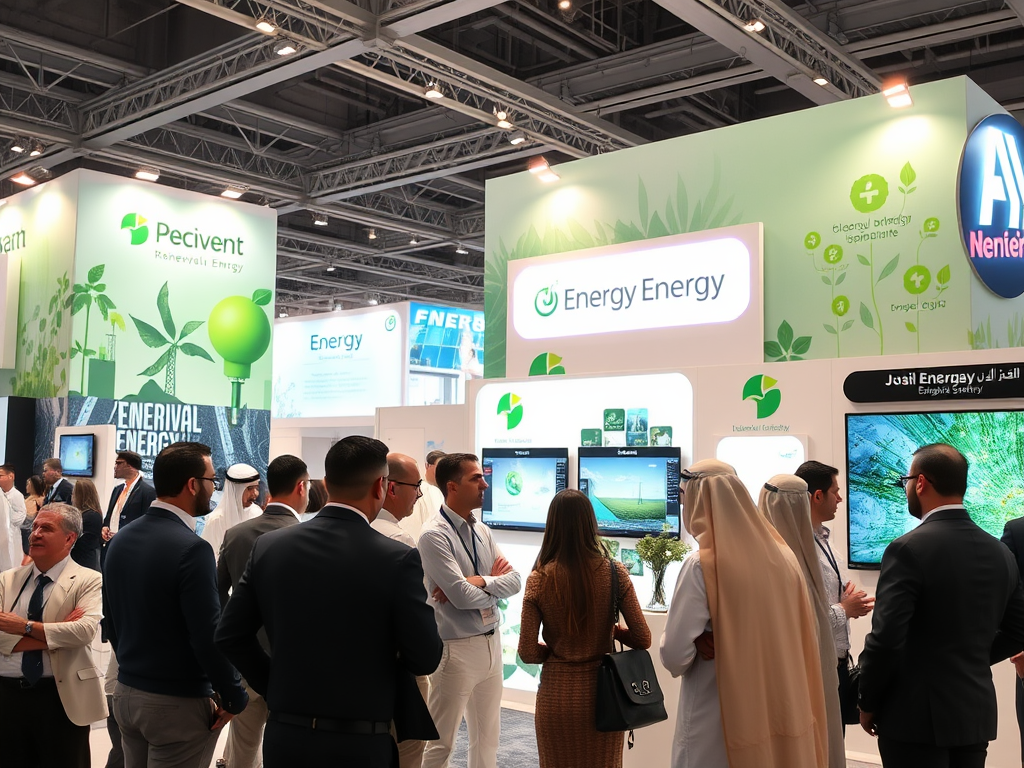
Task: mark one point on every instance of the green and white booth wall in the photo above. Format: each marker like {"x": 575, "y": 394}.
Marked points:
{"x": 146, "y": 308}
{"x": 848, "y": 214}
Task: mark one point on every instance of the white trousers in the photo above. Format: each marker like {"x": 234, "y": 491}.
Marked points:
{"x": 468, "y": 683}
{"x": 245, "y": 734}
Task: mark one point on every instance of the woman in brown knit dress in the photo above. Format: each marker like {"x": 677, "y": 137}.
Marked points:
{"x": 569, "y": 591}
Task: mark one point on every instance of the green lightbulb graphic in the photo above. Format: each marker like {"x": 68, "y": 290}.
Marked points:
{"x": 240, "y": 333}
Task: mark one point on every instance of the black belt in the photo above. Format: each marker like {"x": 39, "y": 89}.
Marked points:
{"x": 359, "y": 727}
{"x": 487, "y": 634}
{"x": 22, "y": 683}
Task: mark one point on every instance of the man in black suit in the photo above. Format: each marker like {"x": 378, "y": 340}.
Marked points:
{"x": 57, "y": 488}
{"x": 949, "y": 604}
{"x": 362, "y": 594}
{"x": 160, "y": 596}
{"x": 1013, "y": 537}
{"x": 288, "y": 484}
{"x": 130, "y": 498}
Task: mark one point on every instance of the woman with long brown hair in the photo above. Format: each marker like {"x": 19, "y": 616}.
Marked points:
{"x": 569, "y": 591}
{"x": 86, "y": 551}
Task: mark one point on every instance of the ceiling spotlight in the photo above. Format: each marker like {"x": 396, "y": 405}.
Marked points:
{"x": 234, "y": 191}
{"x": 539, "y": 167}
{"x": 414, "y": 240}
{"x": 285, "y": 48}
{"x": 330, "y": 267}
{"x": 24, "y": 179}
{"x": 459, "y": 249}
{"x": 516, "y": 138}
{"x": 337, "y": 307}
{"x": 37, "y": 150}
{"x": 564, "y": 5}
{"x": 147, "y": 174}
{"x": 266, "y": 26}
{"x": 372, "y": 302}
{"x": 433, "y": 91}
{"x": 371, "y": 234}
{"x": 754, "y": 25}
{"x": 320, "y": 219}
{"x": 502, "y": 117}
{"x": 282, "y": 313}
{"x": 819, "y": 80}
{"x": 898, "y": 95}
{"x": 18, "y": 146}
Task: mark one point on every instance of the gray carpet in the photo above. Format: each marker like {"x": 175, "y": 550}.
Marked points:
{"x": 518, "y": 745}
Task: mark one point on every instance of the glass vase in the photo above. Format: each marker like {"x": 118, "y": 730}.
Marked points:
{"x": 658, "y": 602}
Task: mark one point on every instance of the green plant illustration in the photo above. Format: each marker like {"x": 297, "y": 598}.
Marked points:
{"x": 832, "y": 274}
{"x": 673, "y": 218}
{"x": 37, "y": 340}
{"x": 917, "y": 279}
{"x": 870, "y": 319}
{"x": 982, "y": 337}
{"x": 151, "y": 337}
{"x": 906, "y": 186}
{"x": 82, "y": 298}
{"x": 116, "y": 321}
{"x": 786, "y": 347}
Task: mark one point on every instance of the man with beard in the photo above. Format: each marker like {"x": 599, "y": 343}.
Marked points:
{"x": 949, "y": 604}
{"x": 162, "y": 607}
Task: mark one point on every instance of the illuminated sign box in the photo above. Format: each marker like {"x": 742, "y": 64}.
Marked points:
{"x": 686, "y": 299}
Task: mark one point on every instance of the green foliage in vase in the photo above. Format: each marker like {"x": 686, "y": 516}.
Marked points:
{"x": 658, "y": 551}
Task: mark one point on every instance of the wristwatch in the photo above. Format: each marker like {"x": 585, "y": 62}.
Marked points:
{"x": 28, "y": 628}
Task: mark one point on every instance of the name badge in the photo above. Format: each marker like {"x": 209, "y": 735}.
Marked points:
{"x": 487, "y": 615}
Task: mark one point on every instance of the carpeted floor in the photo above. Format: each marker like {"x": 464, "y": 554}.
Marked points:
{"x": 518, "y": 745}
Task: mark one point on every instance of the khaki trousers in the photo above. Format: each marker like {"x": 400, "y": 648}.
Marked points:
{"x": 410, "y": 752}
{"x": 244, "y": 745}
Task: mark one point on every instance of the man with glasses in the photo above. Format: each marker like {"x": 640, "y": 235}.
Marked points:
{"x": 949, "y": 604}
{"x": 175, "y": 689}
{"x": 130, "y": 499}
{"x": 288, "y": 483}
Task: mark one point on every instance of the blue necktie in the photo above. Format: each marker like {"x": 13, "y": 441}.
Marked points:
{"x": 32, "y": 661}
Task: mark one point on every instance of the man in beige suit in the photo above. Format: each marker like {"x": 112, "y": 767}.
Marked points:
{"x": 50, "y": 690}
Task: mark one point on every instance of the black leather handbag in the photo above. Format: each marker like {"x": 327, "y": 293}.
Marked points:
{"x": 628, "y": 694}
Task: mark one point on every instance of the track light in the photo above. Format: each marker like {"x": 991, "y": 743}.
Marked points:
{"x": 147, "y": 174}
{"x": 285, "y": 48}
{"x": 502, "y": 117}
{"x": 819, "y": 80}
{"x": 433, "y": 91}
{"x": 564, "y": 5}
{"x": 337, "y": 307}
{"x": 372, "y": 301}
{"x": 234, "y": 191}
{"x": 37, "y": 149}
{"x": 414, "y": 240}
{"x": 319, "y": 219}
{"x": 898, "y": 95}
{"x": 18, "y": 146}
{"x": 371, "y": 234}
{"x": 754, "y": 25}
{"x": 330, "y": 267}
{"x": 539, "y": 167}
{"x": 516, "y": 138}
{"x": 282, "y": 314}
{"x": 24, "y": 179}
{"x": 459, "y": 249}
{"x": 266, "y": 26}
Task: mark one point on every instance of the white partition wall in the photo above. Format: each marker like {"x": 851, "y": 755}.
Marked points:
{"x": 104, "y": 452}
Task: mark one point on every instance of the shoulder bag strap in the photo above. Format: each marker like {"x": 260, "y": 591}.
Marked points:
{"x": 615, "y": 600}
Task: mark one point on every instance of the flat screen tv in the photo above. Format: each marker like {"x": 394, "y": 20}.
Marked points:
{"x": 879, "y": 449}
{"x": 635, "y": 491}
{"x": 521, "y": 483}
{"x": 76, "y": 454}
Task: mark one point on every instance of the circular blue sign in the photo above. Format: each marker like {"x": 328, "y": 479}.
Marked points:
{"x": 991, "y": 204}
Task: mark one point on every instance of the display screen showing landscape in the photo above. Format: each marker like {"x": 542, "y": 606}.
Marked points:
{"x": 880, "y": 447}
{"x": 76, "y": 455}
{"x": 521, "y": 483}
{"x": 635, "y": 491}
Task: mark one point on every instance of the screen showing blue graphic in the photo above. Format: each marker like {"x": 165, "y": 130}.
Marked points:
{"x": 521, "y": 483}
{"x": 76, "y": 454}
{"x": 880, "y": 448}
{"x": 635, "y": 491}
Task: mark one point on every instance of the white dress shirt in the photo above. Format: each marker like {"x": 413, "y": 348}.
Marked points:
{"x": 10, "y": 666}
{"x": 387, "y": 524}
{"x": 182, "y": 515}
{"x": 833, "y": 591}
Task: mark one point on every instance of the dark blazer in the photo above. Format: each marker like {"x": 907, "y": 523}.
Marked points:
{"x": 238, "y": 541}
{"x": 949, "y": 604}
{"x": 141, "y": 496}
{"x": 86, "y": 551}
{"x": 336, "y": 578}
{"x": 161, "y": 607}
{"x": 60, "y": 492}
{"x": 1013, "y": 537}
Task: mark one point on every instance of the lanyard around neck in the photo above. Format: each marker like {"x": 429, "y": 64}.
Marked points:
{"x": 827, "y": 550}
{"x": 472, "y": 555}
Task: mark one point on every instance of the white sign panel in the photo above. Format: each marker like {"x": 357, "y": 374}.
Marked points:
{"x": 691, "y": 299}
{"x": 337, "y": 364}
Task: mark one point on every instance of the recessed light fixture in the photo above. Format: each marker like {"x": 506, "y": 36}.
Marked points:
{"x": 433, "y": 91}
{"x": 18, "y": 146}
{"x": 516, "y": 138}
{"x": 898, "y": 95}
{"x": 754, "y": 25}
{"x": 234, "y": 191}
{"x": 539, "y": 167}
{"x": 819, "y": 80}
{"x": 459, "y": 249}
{"x": 147, "y": 174}
{"x": 24, "y": 179}
{"x": 564, "y": 5}
{"x": 371, "y": 234}
{"x": 266, "y": 26}
{"x": 320, "y": 219}
{"x": 285, "y": 48}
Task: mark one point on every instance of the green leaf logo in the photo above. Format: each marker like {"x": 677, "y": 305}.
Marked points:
{"x": 391, "y": 323}
{"x": 546, "y": 301}
{"x": 917, "y": 279}
{"x": 136, "y": 224}
{"x": 511, "y": 407}
{"x": 869, "y": 193}
{"x": 514, "y": 483}
{"x": 762, "y": 390}
{"x": 547, "y": 364}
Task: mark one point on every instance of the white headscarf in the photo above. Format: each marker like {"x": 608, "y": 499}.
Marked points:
{"x": 229, "y": 512}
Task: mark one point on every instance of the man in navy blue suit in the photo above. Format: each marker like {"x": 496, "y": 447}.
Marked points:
{"x": 175, "y": 689}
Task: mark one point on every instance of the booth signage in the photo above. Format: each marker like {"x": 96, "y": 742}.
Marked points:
{"x": 637, "y": 287}
{"x": 991, "y": 204}
{"x": 957, "y": 382}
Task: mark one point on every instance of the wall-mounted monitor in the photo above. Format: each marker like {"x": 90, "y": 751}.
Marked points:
{"x": 521, "y": 483}
{"x": 76, "y": 454}
{"x": 880, "y": 447}
{"x": 635, "y": 491}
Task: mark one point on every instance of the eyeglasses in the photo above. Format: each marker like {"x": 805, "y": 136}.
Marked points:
{"x": 901, "y": 482}
{"x": 417, "y": 486}
{"x": 217, "y": 482}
